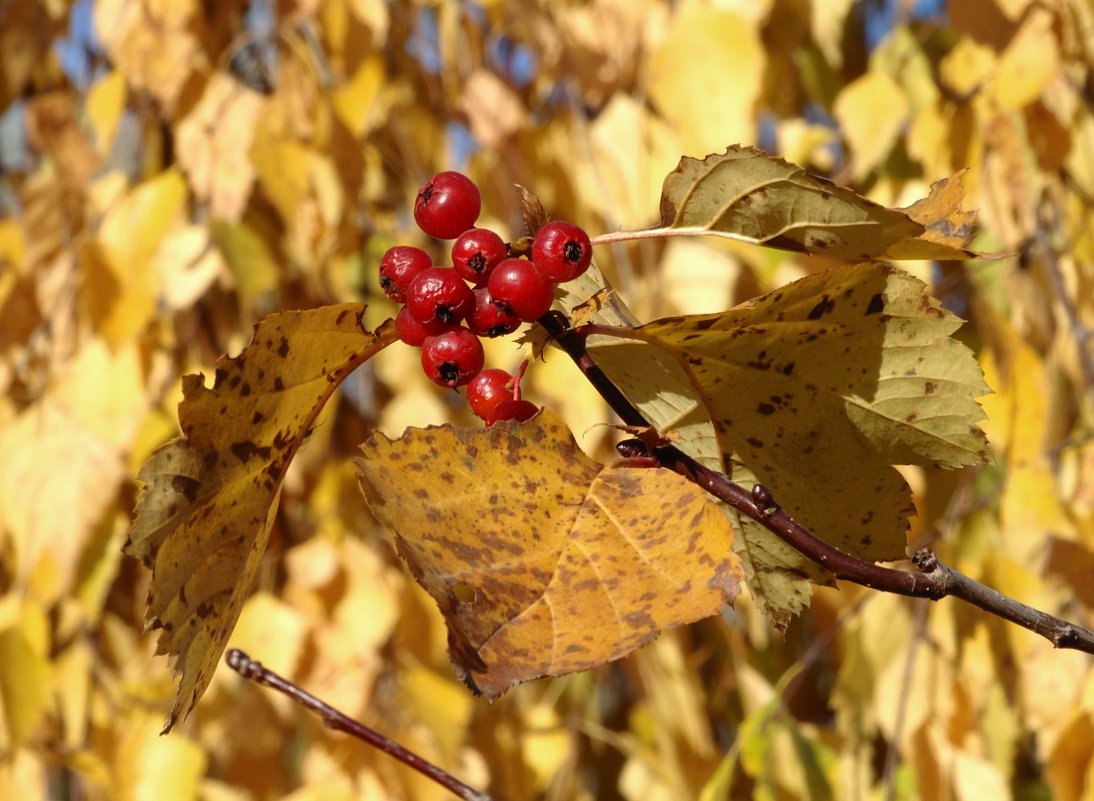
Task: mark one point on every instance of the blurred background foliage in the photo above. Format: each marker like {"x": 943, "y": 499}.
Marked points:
{"x": 171, "y": 171}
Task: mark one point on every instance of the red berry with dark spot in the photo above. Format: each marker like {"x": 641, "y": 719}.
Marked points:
{"x": 488, "y": 389}
{"x": 439, "y": 294}
{"x": 448, "y": 205}
{"x": 562, "y": 251}
{"x": 475, "y": 254}
{"x": 398, "y": 266}
{"x": 523, "y": 288}
{"x": 452, "y": 358}
{"x": 414, "y": 333}
{"x": 519, "y": 410}
{"x": 490, "y": 318}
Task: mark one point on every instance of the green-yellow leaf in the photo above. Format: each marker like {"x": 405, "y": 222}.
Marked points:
{"x": 541, "y": 560}
{"x": 815, "y": 389}
{"x": 204, "y": 515}
{"x": 747, "y": 195}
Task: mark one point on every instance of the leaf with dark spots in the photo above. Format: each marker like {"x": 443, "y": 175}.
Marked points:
{"x": 868, "y": 392}
{"x": 204, "y": 513}
{"x": 598, "y": 576}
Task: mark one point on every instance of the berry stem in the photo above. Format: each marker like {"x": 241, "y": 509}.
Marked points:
{"x": 255, "y": 671}
{"x": 934, "y": 580}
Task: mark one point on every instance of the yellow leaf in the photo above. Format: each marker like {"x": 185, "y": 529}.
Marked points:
{"x": 104, "y": 106}
{"x": 151, "y": 768}
{"x": 542, "y": 561}
{"x": 203, "y": 517}
{"x": 25, "y": 684}
{"x": 871, "y": 110}
{"x": 1029, "y": 63}
{"x": 705, "y": 77}
{"x": 356, "y": 101}
{"x": 745, "y": 195}
{"x": 122, "y": 288}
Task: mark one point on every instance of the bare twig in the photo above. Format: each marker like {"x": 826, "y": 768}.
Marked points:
{"x": 252, "y": 669}
{"x": 935, "y": 579}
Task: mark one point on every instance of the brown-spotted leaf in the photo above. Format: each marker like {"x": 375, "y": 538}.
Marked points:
{"x": 543, "y": 561}
{"x": 747, "y": 195}
{"x": 815, "y": 389}
{"x": 204, "y": 514}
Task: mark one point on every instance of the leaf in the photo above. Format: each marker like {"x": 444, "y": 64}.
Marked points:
{"x": 747, "y": 195}
{"x": 815, "y": 390}
{"x": 542, "y": 561}
{"x": 203, "y": 517}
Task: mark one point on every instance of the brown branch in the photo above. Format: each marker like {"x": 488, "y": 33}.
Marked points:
{"x": 934, "y": 580}
{"x": 255, "y": 671}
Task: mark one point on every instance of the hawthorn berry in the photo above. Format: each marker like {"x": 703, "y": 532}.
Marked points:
{"x": 398, "y": 266}
{"x": 489, "y": 318}
{"x": 439, "y": 294}
{"x": 452, "y": 358}
{"x": 518, "y": 284}
{"x": 476, "y": 252}
{"x": 448, "y": 205}
{"x": 562, "y": 251}
{"x": 413, "y": 332}
{"x": 511, "y": 409}
{"x": 488, "y": 389}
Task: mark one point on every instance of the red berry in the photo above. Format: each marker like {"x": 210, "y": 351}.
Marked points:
{"x": 439, "y": 294}
{"x": 452, "y": 358}
{"x": 489, "y": 318}
{"x": 488, "y": 389}
{"x": 520, "y": 410}
{"x": 562, "y": 251}
{"x": 413, "y": 332}
{"x": 476, "y": 252}
{"x": 448, "y": 205}
{"x": 523, "y": 288}
{"x": 398, "y": 266}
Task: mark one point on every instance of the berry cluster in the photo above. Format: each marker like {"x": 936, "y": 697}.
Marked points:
{"x": 487, "y": 292}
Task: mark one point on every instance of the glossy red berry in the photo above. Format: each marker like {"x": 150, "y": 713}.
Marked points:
{"x": 523, "y": 288}
{"x": 491, "y": 319}
{"x": 520, "y": 410}
{"x": 452, "y": 358}
{"x": 438, "y": 294}
{"x": 398, "y": 266}
{"x": 414, "y": 333}
{"x": 448, "y": 205}
{"x": 488, "y": 389}
{"x": 562, "y": 251}
{"x": 475, "y": 254}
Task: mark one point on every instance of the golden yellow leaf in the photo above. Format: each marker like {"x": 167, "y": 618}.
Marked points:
{"x": 871, "y": 111}
{"x": 542, "y": 561}
{"x": 104, "y": 106}
{"x": 1029, "y": 63}
{"x": 818, "y": 387}
{"x": 25, "y": 686}
{"x": 746, "y": 195}
{"x": 705, "y": 76}
{"x": 203, "y": 517}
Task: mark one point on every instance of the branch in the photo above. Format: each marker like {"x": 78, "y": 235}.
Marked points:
{"x": 255, "y": 671}
{"x": 935, "y": 579}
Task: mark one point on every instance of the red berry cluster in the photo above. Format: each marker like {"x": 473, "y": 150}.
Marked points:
{"x": 485, "y": 293}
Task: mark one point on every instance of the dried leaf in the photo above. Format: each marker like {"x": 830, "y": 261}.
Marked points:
{"x": 816, "y": 389}
{"x": 541, "y": 560}
{"x": 747, "y": 195}
{"x": 203, "y": 518}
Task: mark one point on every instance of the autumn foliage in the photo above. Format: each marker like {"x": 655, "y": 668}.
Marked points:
{"x": 198, "y": 366}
